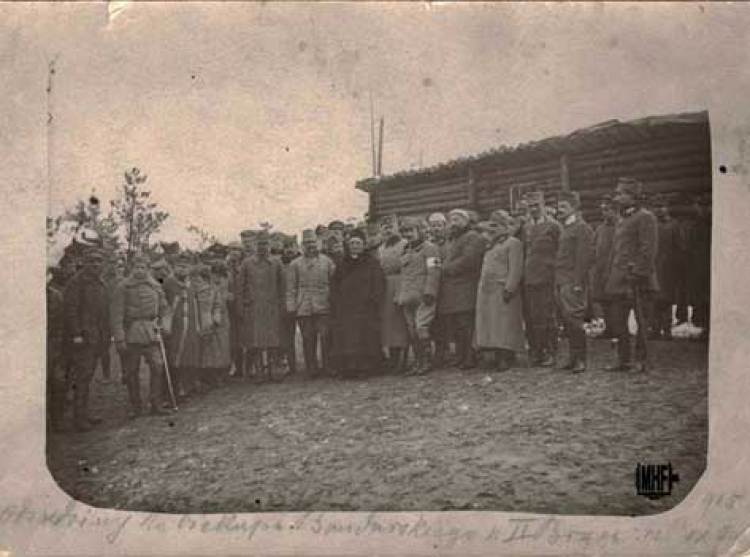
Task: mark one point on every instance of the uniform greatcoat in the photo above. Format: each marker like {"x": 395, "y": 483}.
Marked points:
{"x": 261, "y": 292}
{"x": 499, "y": 324}
{"x": 460, "y": 274}
{"x": 392, "y": 323}
{"x": 635, "y": 241}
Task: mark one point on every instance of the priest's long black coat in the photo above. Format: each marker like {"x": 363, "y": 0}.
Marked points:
{"x": 356, "y": 294}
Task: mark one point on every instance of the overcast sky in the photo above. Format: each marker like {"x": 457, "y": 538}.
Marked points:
{"x": 243, "y": 113}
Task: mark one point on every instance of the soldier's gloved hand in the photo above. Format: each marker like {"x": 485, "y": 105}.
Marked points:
{"x": 428, "y": 299}
{"x": 121, "y": 346}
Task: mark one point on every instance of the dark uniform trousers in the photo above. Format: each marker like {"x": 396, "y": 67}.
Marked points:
{"x": 572, "y": 306}
{"x": 84, "y": 358}
{"x": 288, "y": 333}
{"x": 459, "y": 327}
{"x": 235, "y": 342}
{"x": 541, "y": 319}
{"x": 312, "y": 328}
{"x": 620, "y": 310}
{"x": 131, "y": 366}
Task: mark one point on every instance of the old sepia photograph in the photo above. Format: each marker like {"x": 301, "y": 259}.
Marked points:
{"x": 368, "y": 257}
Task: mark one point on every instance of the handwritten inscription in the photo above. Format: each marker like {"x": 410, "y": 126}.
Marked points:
{"x": 551, "y": 531}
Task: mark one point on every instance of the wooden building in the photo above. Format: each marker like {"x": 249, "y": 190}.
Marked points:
{"x": 670, "y": 155}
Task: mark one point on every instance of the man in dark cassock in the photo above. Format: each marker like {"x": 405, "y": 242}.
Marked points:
{"x": 357, "y": 289}
{"x": 668, "y": 259}
{"x": 603, "y": 241}
{"x": 575, "y": 256}
{"x": 88, "y": 331}
{"x": 542, "y": 234}
{"x": 631, "y": 279}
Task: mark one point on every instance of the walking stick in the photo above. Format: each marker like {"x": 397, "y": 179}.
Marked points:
{"x": 166, "y": 372}
{"x": 637, "y": 307}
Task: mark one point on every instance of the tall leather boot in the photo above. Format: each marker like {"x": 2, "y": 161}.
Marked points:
{"x": 466, "y": 353}
{"x": 81, "y": 410}
{"x": 156, "y": 387}
{"x": 134, "y": 395}
{"x": 426, "y": 364}
{"x": 418, "y": 356}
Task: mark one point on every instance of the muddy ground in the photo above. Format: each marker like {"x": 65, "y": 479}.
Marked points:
{"x": 535, "y": 440}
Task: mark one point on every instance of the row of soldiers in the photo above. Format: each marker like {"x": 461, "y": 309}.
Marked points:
{"x": 364, "y": 301}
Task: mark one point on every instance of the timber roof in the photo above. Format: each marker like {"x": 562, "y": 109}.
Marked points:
{"x": 600, "y": 136}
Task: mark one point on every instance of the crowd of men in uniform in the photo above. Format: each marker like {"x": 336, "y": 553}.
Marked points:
{"x": 513, "y": 284}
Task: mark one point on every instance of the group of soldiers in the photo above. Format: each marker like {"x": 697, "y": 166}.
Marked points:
{"x": 517, "y": 282}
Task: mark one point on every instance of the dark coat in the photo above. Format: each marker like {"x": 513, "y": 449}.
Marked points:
{"x": 540, "y": 250}
{"x": 55, "y": 315}
{"x": 357, "y": 291}
{"x": 87, "y": 309}
{"x": 604, "y": 238}
{"x": 668, "y": 259}
{"x": 575, "y": 254}
{"x": 635, "y": 243}
{"x": 698, "y": 260}
{"x": 460, "y": 274}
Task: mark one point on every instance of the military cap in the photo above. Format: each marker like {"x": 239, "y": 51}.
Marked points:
{"x": 358, "y": 233}
{"x": 413, "y": 222}
{"x": 572, "y": 197}
{"x": 308, "y": 235}
{"x": 336, "y": 225}
{"x": 463, "y": 213}
{"x": 234, "y": 245}
{"x": 534, "y": 197}
{"x": 628, "y": 185}
{"x": 500, "y": 217}
{"x": 247, "y": 233}
{"x": 437, "y": 217}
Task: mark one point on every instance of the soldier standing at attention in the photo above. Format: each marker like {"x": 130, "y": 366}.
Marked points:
{"x": 668, "y": 258}
{"x": 632, "y": 273}
{"x": 603, "y": 239}
{"x": 542, "y": 234}
{"x": 138, "y": 307}
{"x": 88, "y": 334}
{"x": 572, "y": 265}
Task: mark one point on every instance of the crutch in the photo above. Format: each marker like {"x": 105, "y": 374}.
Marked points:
{"x": 166, "y": 372}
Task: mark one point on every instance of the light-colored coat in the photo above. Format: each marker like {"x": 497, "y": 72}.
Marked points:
{"x": 308, "y": 285}
{"x": 393, "y": 325}
{"x": 136, "y": 304}
{"x": 420, "y": 274}
{"x": 500, "y": 324}
{"x": 261, "y": 291}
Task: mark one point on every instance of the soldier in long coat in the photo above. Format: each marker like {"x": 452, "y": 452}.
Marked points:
{"x": 289, "y": 254}
{"x": 632, "y": 273}
{"x": 604, "y": 236}
{"x": 357, "y": 291}
{"x": 499, "y": 313}
{"x": 575, "y": 255}
{"x": 87, "y": 330}
{"x": 261, "y": 291}
{"x": 459, "y": 279}
{"x": 394, "y": 334}
{"x": 668, "y": 259}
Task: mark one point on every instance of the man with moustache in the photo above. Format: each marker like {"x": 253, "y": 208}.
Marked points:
{"x": 88, "y": 334}
{"x": 632, "y": 273}
{"x": 541, "y": 236}
{"x": 575, "y": 254}
{"x": 459, "y": 278}
{"x": 308, "y": 300}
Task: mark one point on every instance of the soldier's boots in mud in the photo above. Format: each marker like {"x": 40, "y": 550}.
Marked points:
{"x": 134, "y": 395}
{"x": 82, "y": 421}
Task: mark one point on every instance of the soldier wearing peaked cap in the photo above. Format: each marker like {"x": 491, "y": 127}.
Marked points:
{"x": 308, "y": 299}
{"x": 575, "y": 255}
{"x": 86, "y": 311}
{"x": 632, "y": 272}
{"x": 138, "y": 308}
{"x": 669, "y": 257}
{"x": 603, "y": 241}
{"x": 420, "y": 283}
{"x": 541, "y": 237}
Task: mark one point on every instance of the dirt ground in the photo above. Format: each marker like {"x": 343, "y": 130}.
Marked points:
{"x": 535, "y": 440}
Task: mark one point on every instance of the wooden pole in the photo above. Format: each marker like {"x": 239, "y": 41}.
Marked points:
{"x": 372, "y": 137}
{"x": 565, "y": 172}
{"x": 380, "y": 146}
